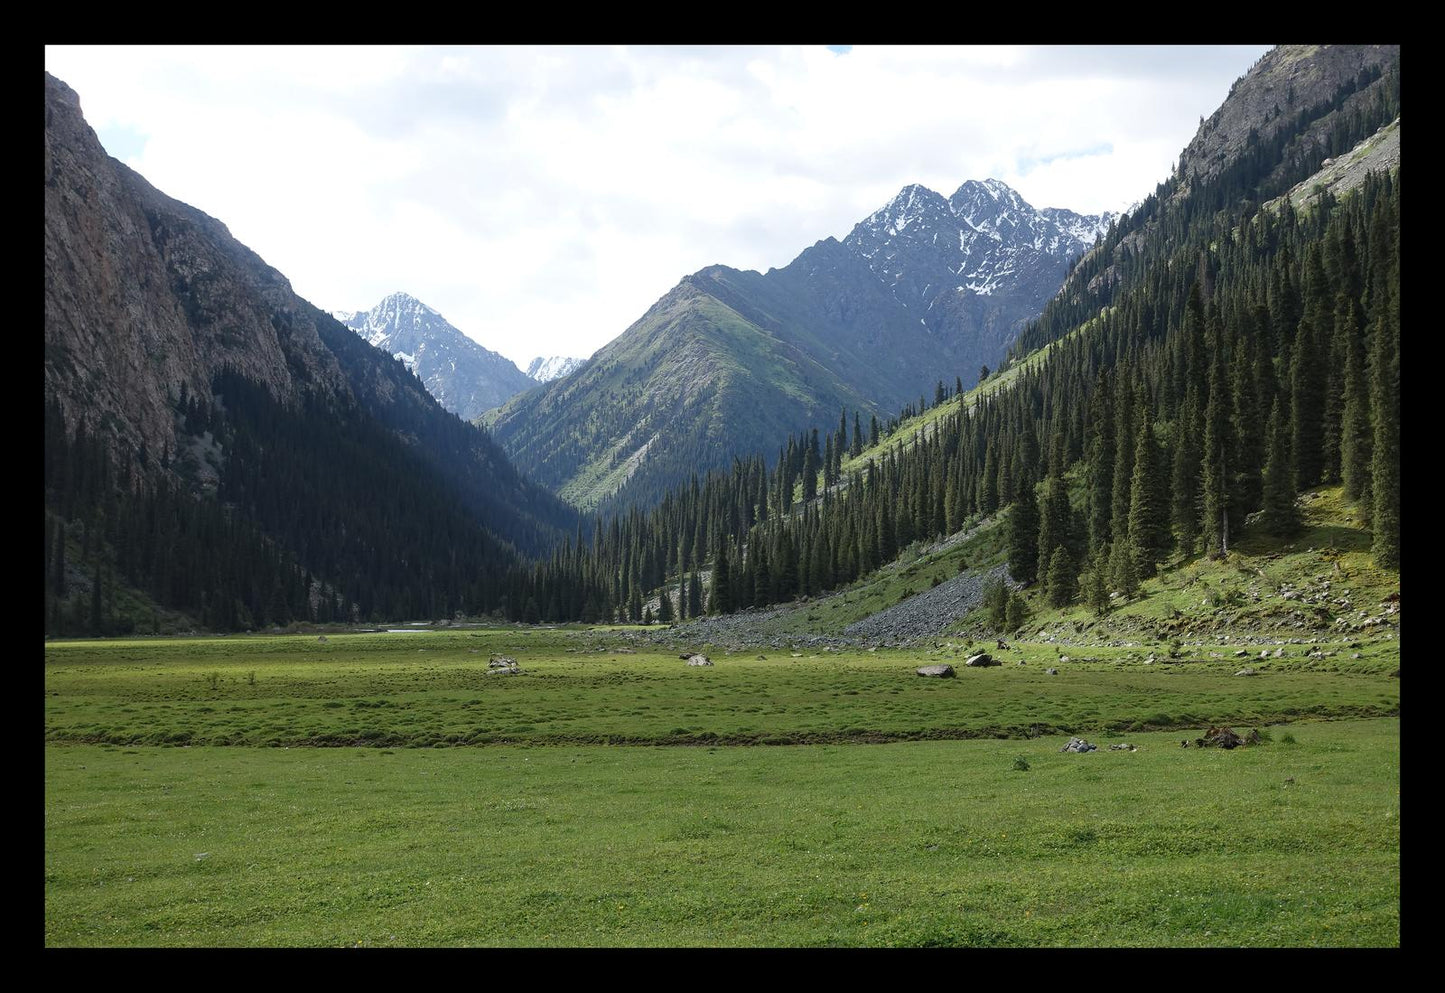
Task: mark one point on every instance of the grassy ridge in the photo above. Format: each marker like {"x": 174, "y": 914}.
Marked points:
{"x": 930, "y": 843}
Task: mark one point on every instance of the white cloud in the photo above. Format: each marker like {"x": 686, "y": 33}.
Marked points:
{"x": 542, "y": 199}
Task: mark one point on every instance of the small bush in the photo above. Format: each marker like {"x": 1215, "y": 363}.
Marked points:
{"x": 1286, "y": 739}
{"x": 1021, "y": 764}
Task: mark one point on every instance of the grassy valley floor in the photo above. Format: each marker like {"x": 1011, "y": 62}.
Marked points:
{"x": 1295, "y": 842}
{"x": 565, "y": 824}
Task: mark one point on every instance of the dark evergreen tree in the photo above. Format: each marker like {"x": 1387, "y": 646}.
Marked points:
{"x": 1148, "y": 521}
{"x": 1063, "y": 581}
{"x": 1023, "y": 542}
{"x": 720, "y": 596}
{"x": 1277, "y": 513}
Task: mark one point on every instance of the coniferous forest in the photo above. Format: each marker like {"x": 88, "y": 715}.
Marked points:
{"x": 1219, "y": 352}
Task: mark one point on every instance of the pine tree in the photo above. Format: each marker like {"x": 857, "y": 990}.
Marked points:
{"x": 1248, "y": 462}
{"x": 720, "y": 596}
{"x": 1218, "y": 442}
{"x": 1123, "y": 575}
{"x": 1100, "y": 467}
{"x": 1148, "y": 520}
{"x": 1023, "y": 544}
{"x": 1307, "y": 409}
{"x": 1385, "y": 464}
{"x": 1063, "y": 583}
{"x": 1185, "y": 471}
{"x": 1278, "y": 515}
{"x": 694, "y": 597}
{"x": 1053, "y": 524}
{"x": 995, "y": 601}
{"x": 1096, "y": 583}
{"x": 1018, "y": 612}
{"x": 1355, "y": 433}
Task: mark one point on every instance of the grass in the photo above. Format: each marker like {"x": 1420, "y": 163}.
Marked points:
{"x": 458, "y": 807}
{"x": 923, "y": 843}
{"x": 434, "y": 690}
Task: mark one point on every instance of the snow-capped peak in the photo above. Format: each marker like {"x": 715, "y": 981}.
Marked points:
{"x": 544, "y": 370}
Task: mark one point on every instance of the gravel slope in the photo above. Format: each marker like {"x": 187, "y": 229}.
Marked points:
{"x": 928, "y": 613}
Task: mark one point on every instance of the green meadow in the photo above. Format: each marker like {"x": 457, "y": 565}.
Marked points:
{"x": 806, "y": 799}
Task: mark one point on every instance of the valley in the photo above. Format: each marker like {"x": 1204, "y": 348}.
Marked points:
{"x": 778, "y": 620}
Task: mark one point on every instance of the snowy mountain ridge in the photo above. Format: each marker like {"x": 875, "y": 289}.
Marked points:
{"x": 983, "y": 239}
{"x": 465, "y": 377}
{"x": 546, "y": 369}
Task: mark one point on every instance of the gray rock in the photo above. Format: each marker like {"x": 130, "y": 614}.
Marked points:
{"x": 1246, "y": 672}
{"x": 944, "y": 671}
{"x": 699, "y": 660}
{"x": 1052, "y": 672}
{"x": 1124, "y": 747}
{"x": 980, "y": 660}
{"x": 1079, "y": 745}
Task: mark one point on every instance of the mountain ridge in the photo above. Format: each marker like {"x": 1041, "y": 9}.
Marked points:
{"x": 850, "y": 324}
{"x": 466, "y": 377}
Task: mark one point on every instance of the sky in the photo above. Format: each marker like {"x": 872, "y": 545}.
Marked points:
{"x": 543, "y": 198}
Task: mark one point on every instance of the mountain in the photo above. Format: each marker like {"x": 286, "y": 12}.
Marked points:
{"x": 466, "y": 378}
{"x": 544, "y": 370}
{"x": 729, "y": 362}
{"x": 1215, "y": 388}
{"x": 267, "y": 457}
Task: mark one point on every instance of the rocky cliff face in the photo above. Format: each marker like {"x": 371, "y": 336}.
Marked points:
{"x": 1268, "y": 99}
{"x": 145, "y": 294}
{"x": 147, "y": 297}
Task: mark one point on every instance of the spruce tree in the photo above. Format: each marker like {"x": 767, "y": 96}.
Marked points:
{"x": 720, "y": 596}
{"x": 1218, "y": 442}
{"x": 1096, "y": 583}
{"x": 1355, "y": 433}
{"x": 1100, "y": 467}
{"x": 1307, "y": 408}
{"x": 1247, "y": 464}
{"x": 1123, "y": 575}
{"x": 1018, "y": 612}
{"x": 1063, "y": 582}
{"x": 1053, "y": 523}
{"x": 995, "y": 601}
{"x": 694, "y": 597}
{"x": 1185, "y": 470}
{"x": 1148, "y": 509}
{"x": 1278, "y": 515}
{"x": 1385, "y": 475}
{"x": 1023, "y": 542}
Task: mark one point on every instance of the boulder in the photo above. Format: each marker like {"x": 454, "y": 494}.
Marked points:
{"x": 1079, "y": 745}
{"x": 1221, "y": 737}
{"x": 1246, "y": 671}
{"x": 1052, "y": 672}
{"x": 981, "y": 659}
{"x": 699, "y": 660}
{"x": 943, "y": 671}
{"x": 502, "y": 662}
{"x": 1125, "y": 747}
